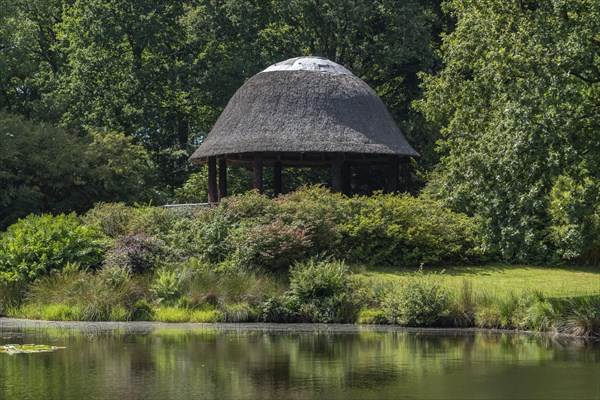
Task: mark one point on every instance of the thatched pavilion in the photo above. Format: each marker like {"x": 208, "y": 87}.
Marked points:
{"x": 303, "y": 112}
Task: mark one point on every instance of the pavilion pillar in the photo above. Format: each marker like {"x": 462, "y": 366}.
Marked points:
{"x": 340, "y": 175}
{"x": 277, "y": 181}
{"x": 392, "y": 175}
{"x": 257, "y": 165}
{"x": 346, "y": 178}
{"x": 212, "y": 180}
{"x": 222, "y": 178}
{"x": 404, "y": 173}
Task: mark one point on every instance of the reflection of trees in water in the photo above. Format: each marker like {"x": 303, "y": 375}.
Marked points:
{"x": 213, "y": 364}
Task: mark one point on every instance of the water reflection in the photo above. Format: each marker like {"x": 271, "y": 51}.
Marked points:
{"x": 207, "y": 363}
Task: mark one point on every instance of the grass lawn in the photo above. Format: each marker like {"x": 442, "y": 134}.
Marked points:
{"x": 499, "y": 280}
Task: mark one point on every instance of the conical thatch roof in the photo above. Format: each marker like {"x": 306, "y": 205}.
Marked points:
{"x": 306, "y": 105}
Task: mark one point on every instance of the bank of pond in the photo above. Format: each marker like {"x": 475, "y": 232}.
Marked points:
{"x": 315, "y": 291}
{"x": 310, "y": 256}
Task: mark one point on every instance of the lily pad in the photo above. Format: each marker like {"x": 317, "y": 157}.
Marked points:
{"x": 27, "y": 348}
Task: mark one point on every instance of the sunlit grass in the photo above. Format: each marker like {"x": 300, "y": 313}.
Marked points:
{"x": 499, "y": 280}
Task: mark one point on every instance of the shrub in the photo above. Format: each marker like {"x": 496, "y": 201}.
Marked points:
{"x": 203, "y": 235}
{"x": 274, "y": 246}
{"x": 316, "y": 212}
{"x": 113, "y": 276}
{"x": 117, "y": 219}
{"x": 322, "y": 292}
{"x": 142, "y": 311}
{"x": 166, "y": 286}
{"x": 276, "y": 309}
{"x": 409, "y": 231}
{"x": 39, "y": 244}
{"x": 538, "y": 313}
{"x": 420, "y": 301}
{"x": 134, "y": 253}
{"x": 111, "y": 219}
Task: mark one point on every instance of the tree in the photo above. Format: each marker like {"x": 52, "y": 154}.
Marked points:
{"x": 518, "y": 106}
{"x": 48, "y": 169}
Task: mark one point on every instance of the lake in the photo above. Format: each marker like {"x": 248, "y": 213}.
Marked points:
{"x": 293, "y": 361}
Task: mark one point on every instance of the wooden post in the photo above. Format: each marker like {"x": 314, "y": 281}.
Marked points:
{"x": 222, "y": 178}
{"x": 392, "y": 173}
{"x": 212, "y": 180}
{"x": 404, "y": 173}
{"x": 277, "y": 183}
{"x": 258, "y": 172}
{"x": 336, "y": 174}
{"x": 346, "y": 178}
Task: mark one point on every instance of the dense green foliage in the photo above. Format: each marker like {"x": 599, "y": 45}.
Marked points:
{"x": 517, "y": 104}
{"x": 421, "y": 301}
{"x": 406, "y": 230}
{"x": 144, "y": 263}
{"x": 322, "y": 292}
{"x": 48, "y": 169}
{"x": 255, "y": 231}
{"x": 37, "y": 245}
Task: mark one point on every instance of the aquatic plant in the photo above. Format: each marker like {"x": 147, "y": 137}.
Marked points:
{"x": 27, "y": 348}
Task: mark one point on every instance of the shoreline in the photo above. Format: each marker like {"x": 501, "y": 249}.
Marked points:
{"x": 90, "y": 328}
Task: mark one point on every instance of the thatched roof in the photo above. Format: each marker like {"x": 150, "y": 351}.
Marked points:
{"x": 304, "y": 105}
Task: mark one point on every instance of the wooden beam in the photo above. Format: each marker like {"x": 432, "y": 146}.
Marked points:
{"x": 392, "y": 175}
{"x": 277, "y": 182}
{"x": 257, "y": 165}
{"x": 212, "y": 180}
{"x": 222, "y": 178}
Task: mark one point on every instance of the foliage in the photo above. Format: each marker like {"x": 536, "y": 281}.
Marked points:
{"x": 517, "y": 106}
{"x": 371, "y": 317}
{"x": 202, "y": 235}
{"x": 39, "y": 244}
{"x": 49, "y": 169}
{"x": 206, "y": 315}
{"x": 88, "y": 296}
{"x": 408, "y": 231}
{"x": 422, "y": 301}
{"x": 171, "y": 314}
{"x": 195, "y": 189}
{"x": 134, "y": 253}
{"x": 111, "y": 219}
{"x": 277, "y": 309}
{"x": 239, "y": 312}
{"x": 322, "y": 292}
{"x": 575, "y": 213}
{"x": 581, "y": 316}
{"x": 162, "y": 72}
{"x": 166, "y": 287}
{"x": 274, "y": 246}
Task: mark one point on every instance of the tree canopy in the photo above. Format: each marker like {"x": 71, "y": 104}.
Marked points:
{"x": 518, "y": 107}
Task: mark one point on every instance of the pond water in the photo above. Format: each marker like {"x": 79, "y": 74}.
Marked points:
{"x": 259, "y": 361}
